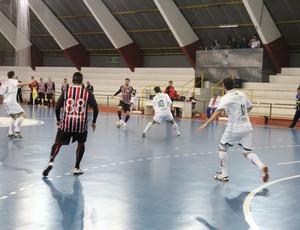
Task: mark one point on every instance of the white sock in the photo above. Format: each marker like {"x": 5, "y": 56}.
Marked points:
{"x": 149, "y": 125}
{"x": 175, "y": 127}
{"x": 11, "y": 126}
{"x": 255, "y": 160}
{"x": 18, "y": 123}
{"x": 223, "y": 162}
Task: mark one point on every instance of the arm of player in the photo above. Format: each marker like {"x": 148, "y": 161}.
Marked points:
{"x": 21, "y": 84}
{"x": 94, "y": 105}
{"x": 211, "y": 119}
{"x": 119, "y": 91}
{"x": 59, "y": 105}
{"x": 248, "y": 104}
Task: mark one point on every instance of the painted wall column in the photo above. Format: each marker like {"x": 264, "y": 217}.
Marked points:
{"x": 126, "y": 47}
{"x": 73, "y": 50}
{"x": 268, "y": 32}
{"x": 182, "y": 31}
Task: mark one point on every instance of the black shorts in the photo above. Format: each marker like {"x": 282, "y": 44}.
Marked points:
{"x": 64, "y": 138}
{"x": 50, "y": 96}
{"x": 126, "y": 107}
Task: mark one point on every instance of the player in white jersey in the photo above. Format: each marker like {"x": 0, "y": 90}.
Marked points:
{"x": 238, "y": 130}
{"x": 162, "y": 106}
{"x": 9, "y": 92}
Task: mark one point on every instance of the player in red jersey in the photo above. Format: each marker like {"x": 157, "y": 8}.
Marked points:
{"x": 73, "y": 123}
{"x": 125, "y": 101}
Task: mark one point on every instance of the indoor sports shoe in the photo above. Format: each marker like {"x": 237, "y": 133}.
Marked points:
{"x": 221, "y": 177}
{"x": 17, "y": 135}
{"x": 143, "y": 134}
{"x": 48, "y": 169}
{"x": 265, "y": 175}
{"x": 77, "y": 171}
{"x": 124, "y": 125}
{"x": 10, "y": 136}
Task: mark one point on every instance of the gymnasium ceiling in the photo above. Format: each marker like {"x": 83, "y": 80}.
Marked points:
{"x": 145, "y": 25}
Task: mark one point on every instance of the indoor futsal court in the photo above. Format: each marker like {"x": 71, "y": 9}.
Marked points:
{"x": 158, "y": 182}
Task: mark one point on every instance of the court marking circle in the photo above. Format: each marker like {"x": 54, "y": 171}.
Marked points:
{"x": 248, "y": 199}
{"x": 4, "y": 122}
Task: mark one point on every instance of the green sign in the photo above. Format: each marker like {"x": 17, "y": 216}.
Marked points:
{"x": 114, "y": 60}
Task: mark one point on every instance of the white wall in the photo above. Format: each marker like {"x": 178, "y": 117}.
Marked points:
{"x": 107, "y": 81}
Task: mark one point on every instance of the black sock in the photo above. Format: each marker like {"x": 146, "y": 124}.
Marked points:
{"x": 119, "y": 114}
{"x": 79, "y": 154}
{"x": 127, "y": 118}
{"x": 54, "y": 151}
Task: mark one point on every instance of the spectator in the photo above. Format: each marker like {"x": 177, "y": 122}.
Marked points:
{"x": 244, "y": 43}
{"x": 212, "y": 106}
{"x": 297, "y": 113}
{"x": 172, "y": 94}
{"x": 216, "y": 45}
{"x": 193, "y": 100}
{"x": 65, "y": 85}
{"x": 50, "y": 90}
{"x": 89, "y": 87}
{"x": 234, "y": 44}
{"x": 41, "y": 92}
{"x": 33, "y": 88}
{"x": 254, "y": 42}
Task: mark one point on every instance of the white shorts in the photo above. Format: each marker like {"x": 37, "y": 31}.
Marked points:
{"x": 13, "y": 108}
{"x": 243, "y": 139}
{"x": 159, "y": 118}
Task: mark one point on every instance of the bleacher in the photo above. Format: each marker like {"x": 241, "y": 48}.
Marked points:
{"x": 106, "y": 81}
{"x": 274, "y": 99}
{"x": 277, "y": 98}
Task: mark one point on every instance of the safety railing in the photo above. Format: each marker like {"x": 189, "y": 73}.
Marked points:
{"x": 218, "y": 88}
{"x": 196, "y": 84}
{"x": 271, "y": 107}
{"x": 148, "y": 90}
{"x": 256, "y": 94}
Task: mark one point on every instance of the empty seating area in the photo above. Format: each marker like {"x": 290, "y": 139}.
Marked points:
{"x": 276, "y": 98}
{"x": 273, "y": 99}
{"x": 106, "y": 81}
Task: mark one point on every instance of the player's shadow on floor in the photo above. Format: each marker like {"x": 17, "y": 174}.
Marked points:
{"x": 10, "y": 150}
{"x": 71, "y": 205}
{"x": 233, "y": 207}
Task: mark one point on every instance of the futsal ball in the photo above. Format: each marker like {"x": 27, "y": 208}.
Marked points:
{"x": 119, "y": 124}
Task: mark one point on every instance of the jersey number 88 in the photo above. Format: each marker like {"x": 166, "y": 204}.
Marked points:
{"x": 77, "y": 107}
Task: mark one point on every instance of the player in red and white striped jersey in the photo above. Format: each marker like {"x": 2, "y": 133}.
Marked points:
{"x": 72, "y": 121}
{"x": 125, "y": 102}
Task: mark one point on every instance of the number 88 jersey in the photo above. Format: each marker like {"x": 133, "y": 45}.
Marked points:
{"x": 75, "y": 102}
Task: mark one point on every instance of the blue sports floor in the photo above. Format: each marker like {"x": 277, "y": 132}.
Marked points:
{"x": 161, "y": 182}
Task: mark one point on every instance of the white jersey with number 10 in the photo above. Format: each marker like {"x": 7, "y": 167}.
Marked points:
{"x": 162, "y": 104}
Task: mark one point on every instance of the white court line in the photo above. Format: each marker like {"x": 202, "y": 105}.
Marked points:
{"x": 248, "y": 199}
{"x": 287, "y": 163}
